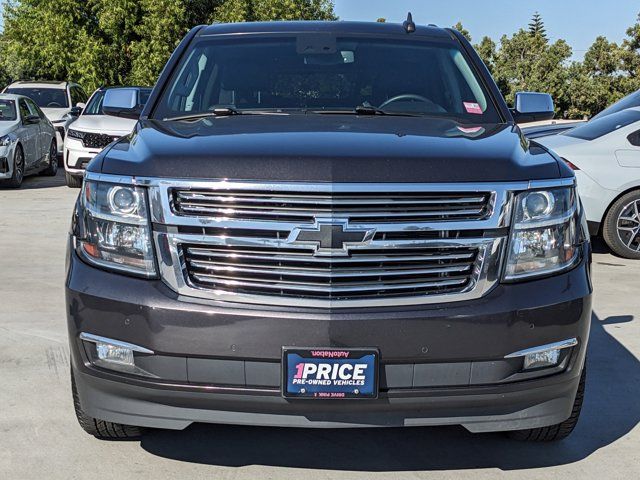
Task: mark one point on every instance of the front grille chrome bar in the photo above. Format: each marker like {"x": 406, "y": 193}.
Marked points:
{"x": 250, "y": 270}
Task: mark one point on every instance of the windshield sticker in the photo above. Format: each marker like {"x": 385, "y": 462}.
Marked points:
{"x": 473, "y": 108}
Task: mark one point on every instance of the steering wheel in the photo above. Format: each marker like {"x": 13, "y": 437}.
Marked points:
{"x": 406, "y": 96}
{"x": 54, "y": 105}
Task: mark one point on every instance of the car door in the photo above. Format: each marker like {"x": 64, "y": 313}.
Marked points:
{"x": 29, "y": 140}
{"x": 43, "y": 139}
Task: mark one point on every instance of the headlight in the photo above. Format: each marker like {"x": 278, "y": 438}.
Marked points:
{"x": 5, "y": 141}
{"x": 76, "y": 134}
{"x": 544, "y": 236}
{"x": 115, "y": 229}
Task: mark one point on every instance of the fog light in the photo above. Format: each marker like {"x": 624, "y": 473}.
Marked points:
{"x": 548, "y": 358}
{"x": 544, "y": 355}
{"x": 114, "y": 353}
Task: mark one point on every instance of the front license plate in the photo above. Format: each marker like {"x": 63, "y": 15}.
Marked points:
{"x": 329, "y": 373}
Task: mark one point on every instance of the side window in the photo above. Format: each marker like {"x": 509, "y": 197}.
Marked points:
{"x": 634, "y": 138}
{"x": 83, "y": 95}
{"x": 33, "y": 108}
{"x": 24, "y": 110}
{"x": 76, "y": 96}
{"x": 599, "y": 127}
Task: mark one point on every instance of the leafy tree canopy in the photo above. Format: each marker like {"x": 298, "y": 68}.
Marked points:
{"x": 115, "y": 42}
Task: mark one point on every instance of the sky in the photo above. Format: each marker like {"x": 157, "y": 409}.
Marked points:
{"x": 579, "y": 22}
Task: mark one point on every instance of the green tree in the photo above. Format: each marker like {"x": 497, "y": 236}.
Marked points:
{"x": 536, "y": 27}
{"x": 465, "y": 33}
{"x": 112, "y": 42}
{"x": 261, "y": 10}
{"x": 487, "y": 51}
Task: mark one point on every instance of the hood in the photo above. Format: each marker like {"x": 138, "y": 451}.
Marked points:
{"x": 54, "y": 114}
{"x": 104, "y": 124}
{"x": 331, "y": 148}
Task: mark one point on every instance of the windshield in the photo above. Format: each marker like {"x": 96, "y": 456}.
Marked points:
{"x": 7, "y": 110}
{"x": 629, "y": 101}
{"x": 324, "y": 73}
{"x": 599, "y": 127}
{"x": 44, "y": 97}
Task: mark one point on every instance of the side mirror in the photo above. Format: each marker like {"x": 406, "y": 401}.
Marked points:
{"x": 533, "y": 107}
{"x": 32, "y": 119}
{"x": 122, "y": 102}
{"x": 75, "y": 111}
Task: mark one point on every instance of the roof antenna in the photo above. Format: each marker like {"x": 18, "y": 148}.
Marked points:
{"x": 408, "y": 24}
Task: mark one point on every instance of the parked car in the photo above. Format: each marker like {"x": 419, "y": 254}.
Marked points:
{"x": 27, "y": 141}
{"x": 630, "y": 101}
{"x": 605, "y": 154}
{"x": 550, "y": 127}
{"x": 60, "y": 102}
{"x": 92, "y": 131}
{"x": 328, "y": 224}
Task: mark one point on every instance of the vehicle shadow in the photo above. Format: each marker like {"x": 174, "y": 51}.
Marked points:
{"x": 38, "y": 181}
{"x": 599, "y": 246}
{"x": 611, "y": 410}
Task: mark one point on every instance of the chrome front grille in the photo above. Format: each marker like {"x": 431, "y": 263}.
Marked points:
{"x": 266, "y": 243}
{"x": 306, "y": 207}
{"x": 368, "y": 273}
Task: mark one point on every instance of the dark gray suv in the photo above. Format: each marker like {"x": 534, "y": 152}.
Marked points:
{"x": 328, "y": 225}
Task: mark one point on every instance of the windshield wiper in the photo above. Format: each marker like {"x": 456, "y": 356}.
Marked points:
{"x": 216, "y": 112}
{"x": 224, "y": 112}
{"x": 365, "y": 109}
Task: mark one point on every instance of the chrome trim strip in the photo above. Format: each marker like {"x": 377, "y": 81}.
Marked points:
{"x": 499, "y": 203}
{"x": 332, "y": 187}
{"x": 89, "y": 337}
{"x": 571, "y": 342}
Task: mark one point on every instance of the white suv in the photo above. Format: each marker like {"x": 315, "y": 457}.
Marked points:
{"x": 92, "y": 131}
{"x": 61, "y": 102}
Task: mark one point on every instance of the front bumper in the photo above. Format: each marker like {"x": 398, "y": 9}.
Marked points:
{"x": 440, "y": 364}
{"x": 77, "y": 156}
{"x": 6, "y": 161}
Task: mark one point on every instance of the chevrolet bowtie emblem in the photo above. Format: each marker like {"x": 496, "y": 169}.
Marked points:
{"x": 331, "y": 237}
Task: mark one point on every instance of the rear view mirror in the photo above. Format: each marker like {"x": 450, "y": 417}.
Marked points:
{"x": 533, "y": 107}
{"x": 31, "y": 119}
{"x": 75, "y": 111}
{"x": 121, "y": 102}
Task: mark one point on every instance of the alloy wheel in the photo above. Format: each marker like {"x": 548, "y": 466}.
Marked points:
{"x": 628, "y": 226}
{"x": 53, "y": 158}
{"x": 19, "y": 166}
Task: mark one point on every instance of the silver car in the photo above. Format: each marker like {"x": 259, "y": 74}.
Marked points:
{"x": 27, "y": 141}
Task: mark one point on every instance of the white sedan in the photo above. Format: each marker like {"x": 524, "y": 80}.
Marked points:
{"x": 27, "y": 140}
{"x": 605, "y": 154}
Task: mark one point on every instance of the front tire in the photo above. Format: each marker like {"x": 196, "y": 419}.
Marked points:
{"x": 560, "y": 431}
{"x": 100, "y": 428}
{"x": 18, "y": 169}
{"x": 72, "y": 180}
{"x": 52, "y": 169}
{"x": 621, "y": 229}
